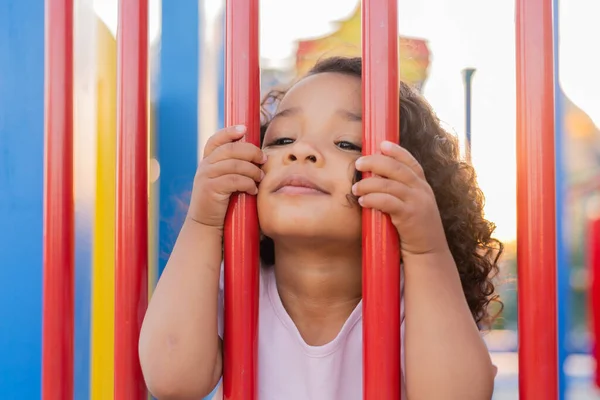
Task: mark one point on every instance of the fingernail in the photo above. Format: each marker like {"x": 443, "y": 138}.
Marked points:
{"x": 358, "y": 162}
{"x": 360, "y": 201}
{"x": 264, "y": 159}
{"x": 240, "y": 128}
{"x": 385, "y": 145}
{"x": 262, "y": 175}
{"x": 354, "y": 188}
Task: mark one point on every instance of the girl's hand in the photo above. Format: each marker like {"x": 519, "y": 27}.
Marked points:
{"x": 228, "y": 166}
{"x": 398, "y": 187}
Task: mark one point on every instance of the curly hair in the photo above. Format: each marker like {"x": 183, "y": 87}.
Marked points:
{"x": 453, "y": 181}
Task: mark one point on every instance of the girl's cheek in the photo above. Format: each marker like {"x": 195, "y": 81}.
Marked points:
{"x": 266, "y": 167}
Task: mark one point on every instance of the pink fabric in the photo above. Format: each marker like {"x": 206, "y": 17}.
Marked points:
{"x": 291, "y": 369}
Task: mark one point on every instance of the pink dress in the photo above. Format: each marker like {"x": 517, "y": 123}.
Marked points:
{"x": 290, "y": 369}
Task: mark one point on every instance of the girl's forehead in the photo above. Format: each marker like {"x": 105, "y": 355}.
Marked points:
{"x": 324, "y": 88}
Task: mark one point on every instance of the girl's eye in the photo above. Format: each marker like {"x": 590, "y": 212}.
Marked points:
{"x": 348, "y": 146}
{"x": 281, "y": 141}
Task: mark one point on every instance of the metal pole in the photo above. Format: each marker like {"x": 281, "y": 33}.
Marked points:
{"x": 59, "y": 217}
{"x": 536, "y": 194}
{"x": 131, "y": 232}
{"x": 381, "y": 250}
{"x": 468, "y": 79}
{"x": 241, "y": 255}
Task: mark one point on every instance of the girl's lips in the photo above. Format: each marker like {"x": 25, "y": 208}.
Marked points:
{"x": 298, "y": 190}
{"x": 299, "y": 184}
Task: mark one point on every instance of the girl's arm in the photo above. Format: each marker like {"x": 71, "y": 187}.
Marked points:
{"x": 180, "y": 350}
{"x": 446, "y": 358}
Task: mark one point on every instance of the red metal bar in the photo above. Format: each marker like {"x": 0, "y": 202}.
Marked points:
{"x": 594, "y": 270}
{"x": 59, "y": 220}
{"x": 381, "y": 251}
{"x": 241, "y": 225}
{"x": 536, "y": 208}
{"x": 131, "y": 234}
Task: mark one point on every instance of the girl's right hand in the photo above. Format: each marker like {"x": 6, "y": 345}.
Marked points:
{"x": 228, "y": 166}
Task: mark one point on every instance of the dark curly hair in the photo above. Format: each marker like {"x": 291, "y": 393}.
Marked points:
{"x": 453, "y": 181}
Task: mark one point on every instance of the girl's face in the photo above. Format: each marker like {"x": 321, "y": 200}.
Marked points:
{"x": 312, "y": 144}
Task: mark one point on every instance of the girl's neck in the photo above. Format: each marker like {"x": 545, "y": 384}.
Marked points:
{"x": 319, "y": 287}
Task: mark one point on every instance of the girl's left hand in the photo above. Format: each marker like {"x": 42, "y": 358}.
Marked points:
{"x": 398, "y": 187}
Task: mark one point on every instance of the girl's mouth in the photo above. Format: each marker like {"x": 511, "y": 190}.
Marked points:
{"x": 298, "y": 185}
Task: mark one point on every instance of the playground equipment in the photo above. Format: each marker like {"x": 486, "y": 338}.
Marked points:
{"x": 131, "y": 234}
{"x": 381, "y": 269}
{"x": 59, "y": 215}
{"x": 536, "y": 209}
{"x": 345, "y": 41}
{"x": 241, "y": 257}
{"x": 538, "y": 358}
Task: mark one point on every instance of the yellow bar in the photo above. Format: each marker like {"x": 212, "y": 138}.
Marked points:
{"x": 103, "y": 292}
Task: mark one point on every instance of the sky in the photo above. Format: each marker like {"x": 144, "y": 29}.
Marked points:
{"x": 461, "y": 33}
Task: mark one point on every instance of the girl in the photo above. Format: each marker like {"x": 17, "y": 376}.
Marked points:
{"x": 307, "y": 178}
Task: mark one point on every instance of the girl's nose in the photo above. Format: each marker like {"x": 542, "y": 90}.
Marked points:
{"x": 303, "y": 152}
{"x": 310, "y": 158}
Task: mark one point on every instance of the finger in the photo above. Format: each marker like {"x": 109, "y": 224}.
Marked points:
{"x": 388, "y": 167}
{"x": 232, "y": 183}
{"x": 381, "y": 201}
{"x": 380, "y": 185}
{"x": 239, "y": 151}
{"x": 226, "y": 135}
{"x": 236, "y": 167}
{"x": 401, "y": 154}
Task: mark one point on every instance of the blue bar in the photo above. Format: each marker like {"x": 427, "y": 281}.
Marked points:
{"x": 83, "y": 304}
{"x": 21, "y": 196}
{"x": 562, "y": 259}
{"x": 177, "y": 118}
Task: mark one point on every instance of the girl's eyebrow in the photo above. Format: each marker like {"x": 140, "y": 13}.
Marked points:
{"x": 349, "y": 115}
{"x": 288, "y": 112}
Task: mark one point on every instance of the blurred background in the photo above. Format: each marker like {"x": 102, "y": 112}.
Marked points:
{"x": 439, "y": 39}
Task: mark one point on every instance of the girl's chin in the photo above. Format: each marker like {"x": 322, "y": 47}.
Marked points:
{"x": 313, "y": 232}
